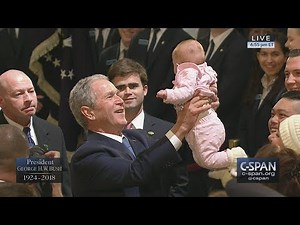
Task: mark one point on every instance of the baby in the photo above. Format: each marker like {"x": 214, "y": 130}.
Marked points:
{"x": 208, "y": 134}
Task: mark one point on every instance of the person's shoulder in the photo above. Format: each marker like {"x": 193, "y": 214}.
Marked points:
{"x": 158, "y": 120}
{"x": 45, "y": 123}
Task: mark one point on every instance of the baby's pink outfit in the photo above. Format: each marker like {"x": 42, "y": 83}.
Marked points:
{"x": 208, "y": 134}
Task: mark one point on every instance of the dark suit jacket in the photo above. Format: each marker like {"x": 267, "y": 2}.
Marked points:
{"x": 175, "y": 180}
{"x": 107, "y": 57}
{"x": 232, "y": 62}
{"x": 101, "y": 166}
{"x": 159, "y": 69}
{"x": 52, "y": 136}
{"x": 16, "y": 55}
{"x": 234, "y": 189}
{"x": 113, "y": 38}
{"x": 8, "y": 57}
{"x": 254, "y": 130}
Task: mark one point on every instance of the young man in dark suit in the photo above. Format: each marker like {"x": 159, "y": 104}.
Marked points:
{"x": 18, "y": 102}
{"x": 231, "y": 59}
{"x": 130, "y": 78}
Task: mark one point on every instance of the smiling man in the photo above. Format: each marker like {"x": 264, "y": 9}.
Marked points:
{"x": 292, "y": 71}
{"x": 103, "y": 166}
{"x": 288, "y": 105}
{"x": 130, "y": 78}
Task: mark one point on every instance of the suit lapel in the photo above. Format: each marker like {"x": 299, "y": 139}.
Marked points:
{"x": 93, "y": 46}
{"x": 116, "y": 147}
{"x": 143, "y": 41}
{"x": 2, "y": 118}
{"x": 40, "y": 131}
{"x": 222, "y": 48}
{"x": 148, "y": 124}
{"x": 160, "y": 44}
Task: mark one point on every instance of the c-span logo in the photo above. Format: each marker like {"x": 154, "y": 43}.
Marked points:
{"x": 257, "y": 170}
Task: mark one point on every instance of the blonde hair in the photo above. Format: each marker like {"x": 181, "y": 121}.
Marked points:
{"x": 189, "y": 51}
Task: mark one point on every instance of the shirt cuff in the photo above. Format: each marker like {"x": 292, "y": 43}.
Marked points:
{"x": 175, "y": 141}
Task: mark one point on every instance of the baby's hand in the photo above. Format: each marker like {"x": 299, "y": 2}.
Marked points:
{"x": 215, "y": 100}
{"x": 162, "y": 94}
{"x": 275, "y": 139}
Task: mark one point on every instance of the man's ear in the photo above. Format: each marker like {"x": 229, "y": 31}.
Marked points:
{"x": 145, "y": 90}
{"x": 87, "y": 112}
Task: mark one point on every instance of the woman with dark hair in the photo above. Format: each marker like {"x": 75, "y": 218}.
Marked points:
{"x": 264, "y": 90}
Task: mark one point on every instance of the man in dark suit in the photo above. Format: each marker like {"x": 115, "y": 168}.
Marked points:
{"x": 117, "y": 51}
{"x": 130, "y": 78}
{"x": 100, "y": 39}
{"x": 18, "y": 102}
{"x": 105, "y": 165}
{"x": 231, "y": 60}
{"x": 158, "y": 65}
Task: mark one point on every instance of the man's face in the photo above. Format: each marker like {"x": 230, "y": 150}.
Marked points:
{"x": 108, "y": 115}
{"x": 292, "y": 73}
{"x": 131, "y": 90}
{"x": 127, "y": 34}
{"x": 293, "y": 38}
{"x": 17, "y": 97}
{"x": 283, "y": 109}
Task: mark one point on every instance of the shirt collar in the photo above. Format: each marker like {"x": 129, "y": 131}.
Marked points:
{"x": 220, "y": 38}
{"x": 11, "y": 122}
{"x": 138, "y": 122}
{"x": 113, "y": 136}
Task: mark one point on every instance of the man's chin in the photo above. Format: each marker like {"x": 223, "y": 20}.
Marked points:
{"x": 30, "y": 112}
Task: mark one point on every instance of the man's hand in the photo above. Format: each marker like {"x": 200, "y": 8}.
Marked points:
{"x": 188, "y": 115}
{"x": 52, "y": 154}
{"x": 56, "y": 187}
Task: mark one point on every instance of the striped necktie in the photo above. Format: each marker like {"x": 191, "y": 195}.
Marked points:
{"x": 26, "y": 130}
{"x": 212, "y": 47}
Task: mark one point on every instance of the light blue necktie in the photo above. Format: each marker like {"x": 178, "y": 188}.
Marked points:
{"x": 128, "y": 146}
